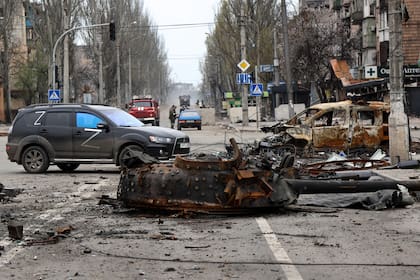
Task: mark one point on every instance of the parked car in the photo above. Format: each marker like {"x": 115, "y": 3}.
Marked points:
{"x": 335, "y": 126}
{"x": 146, "y": 110}
{"x": 71, "y": 134}
{"x": 189, "y": 118}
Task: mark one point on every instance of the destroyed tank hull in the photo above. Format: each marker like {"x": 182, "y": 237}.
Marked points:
{"x": 202, "y": 184}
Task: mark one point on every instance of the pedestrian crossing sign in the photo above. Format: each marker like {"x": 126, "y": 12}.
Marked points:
{"x": 54, "y": 95}
{"x": 256, "y": 89}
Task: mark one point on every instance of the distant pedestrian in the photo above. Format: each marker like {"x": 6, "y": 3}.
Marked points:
{"x": 172, "y": 115}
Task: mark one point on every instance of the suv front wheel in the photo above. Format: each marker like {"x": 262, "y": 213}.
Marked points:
{"x": 35, "y": 160}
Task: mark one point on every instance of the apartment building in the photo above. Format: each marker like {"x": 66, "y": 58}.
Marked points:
{"x": 18, "y": 29}
{"x": 368, "y": 19}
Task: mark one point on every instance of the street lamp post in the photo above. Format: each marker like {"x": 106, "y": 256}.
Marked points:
{"x": 257, "y": 67}
{"x": 398, "y": 120}
{"x": 289, "y": 87}
{"x": 55, "y": 48}
{"x": 244, "y": 98}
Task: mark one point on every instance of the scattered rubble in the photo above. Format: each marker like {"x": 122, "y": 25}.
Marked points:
{"x": 203, "y": 183}
{"x": 15, "y": 231}
{"x": 254, "y": 177}
{"x": 6, "y": 193}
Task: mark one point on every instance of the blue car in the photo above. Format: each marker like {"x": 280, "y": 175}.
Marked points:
{"x": 189, "y": 118}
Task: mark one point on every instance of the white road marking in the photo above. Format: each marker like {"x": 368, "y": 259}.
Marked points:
{"x": 279, "y": 253}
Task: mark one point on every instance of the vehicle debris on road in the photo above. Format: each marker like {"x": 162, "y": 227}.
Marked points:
{"x": 250, "y": 178}
{"x": 202, "y": 183}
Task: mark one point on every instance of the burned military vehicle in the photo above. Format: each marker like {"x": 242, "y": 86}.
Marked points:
{"x": 205, "y": 182}
{"x": 335, "y": 126}
{"x": 242, "y": 182}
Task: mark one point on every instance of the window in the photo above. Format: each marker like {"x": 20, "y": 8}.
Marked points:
{"x": 86, "y": 120}
{"x": 365, "y": 118}
{"x": 143, "y": 104}
{"x": 324, "y": 120}
{"x": 339, "y": 117}
{"x": 57, "y": 119}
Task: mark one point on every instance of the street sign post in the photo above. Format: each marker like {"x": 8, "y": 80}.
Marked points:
{"x": 243, "y": 78}
{"x": 54, "y": 95}
{"x": 266, "y": 68}
{"x": 256, "y": 89}
{"x": 243, "y": 65}
{"x": 371, "y": 72}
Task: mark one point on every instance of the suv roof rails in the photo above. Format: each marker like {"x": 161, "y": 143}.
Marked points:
{"x": 62, "y": 104}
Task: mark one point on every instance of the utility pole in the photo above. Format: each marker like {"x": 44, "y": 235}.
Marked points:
{"x": 287, "y": 59}
{"x": 118, "y": 75}
{"x": 245, "y": 120}
{"x": 257, "y": 78}
{"x": 276, "y": 65}
{"x": 66, "y": 73}
{"x": 398, "y": 121}
{"x": 53, "y": 64}
{"x": 130, "y": 86}
{"x": 101, "y": 76}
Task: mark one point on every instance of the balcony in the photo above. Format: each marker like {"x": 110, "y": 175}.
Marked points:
{"x": 336, "y": 5}
{"x": 346, "y": 3}
{"x": 356, "y": 11}
{"x": 383, "y": 5}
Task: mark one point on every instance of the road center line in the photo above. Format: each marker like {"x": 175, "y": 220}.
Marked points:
{"x": 279, "y": 253}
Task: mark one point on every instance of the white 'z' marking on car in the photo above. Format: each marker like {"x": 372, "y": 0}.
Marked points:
{"x": 41, "y": 113}
{"x": 97, "y": 131}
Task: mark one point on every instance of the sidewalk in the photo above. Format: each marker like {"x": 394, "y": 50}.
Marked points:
{"x": 4, "y": 129}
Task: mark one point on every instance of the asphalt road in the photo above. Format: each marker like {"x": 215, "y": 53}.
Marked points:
{"x": 106, "y": 243}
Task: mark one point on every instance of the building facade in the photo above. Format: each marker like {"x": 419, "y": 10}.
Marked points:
{"x": 368, "y": 20}
{"x": 17, "y": 51}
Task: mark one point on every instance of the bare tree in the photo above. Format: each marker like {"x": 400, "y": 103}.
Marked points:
{"x": 315, "y": 38}
{"x": 143, "y": 63}
{"x": 10, "y": 50}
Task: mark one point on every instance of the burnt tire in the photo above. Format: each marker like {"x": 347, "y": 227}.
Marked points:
{"x": 127, "y": 153}
{"x": 67, "y": 167}
{"x": 35, "y": 160}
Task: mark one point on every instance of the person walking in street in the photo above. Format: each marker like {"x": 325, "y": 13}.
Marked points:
{"x": 172, "y": 115}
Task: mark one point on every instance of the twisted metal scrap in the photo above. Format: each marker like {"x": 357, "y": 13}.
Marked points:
{"x": 203, "y": 184}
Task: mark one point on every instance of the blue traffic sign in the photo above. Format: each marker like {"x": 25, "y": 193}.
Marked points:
{"x": 53, "y": 95}
{"x": 256, "y": 89}
{"x": 243, "y": 78}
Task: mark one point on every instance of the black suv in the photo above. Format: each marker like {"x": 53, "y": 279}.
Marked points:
{"x": 70, "y": 134}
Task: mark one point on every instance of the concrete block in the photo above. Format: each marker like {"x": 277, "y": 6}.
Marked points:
{"x": 235, "y": 114}
{"x": 282, "y": 111}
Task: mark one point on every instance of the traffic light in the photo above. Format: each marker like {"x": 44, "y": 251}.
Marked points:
{"x": 112, "y": 31}
{"x": 252, "y": 77}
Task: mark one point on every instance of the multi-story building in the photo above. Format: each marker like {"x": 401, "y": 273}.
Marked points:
{"x": 368, "y": 19}
{"x": 17, "y": 50}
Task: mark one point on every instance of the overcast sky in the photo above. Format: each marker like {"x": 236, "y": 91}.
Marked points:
{"x": 185, "y": 46}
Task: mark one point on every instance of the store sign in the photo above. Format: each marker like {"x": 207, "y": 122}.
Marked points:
{"x": 409, "y": 71}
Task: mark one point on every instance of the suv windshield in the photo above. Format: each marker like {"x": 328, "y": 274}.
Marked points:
{"x": 120, "y": 118}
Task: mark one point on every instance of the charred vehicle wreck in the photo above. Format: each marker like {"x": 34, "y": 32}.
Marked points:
{"x": 241, "y": 179}
{"x": 335, "y": 126}
{"x": 203, "y": 182}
